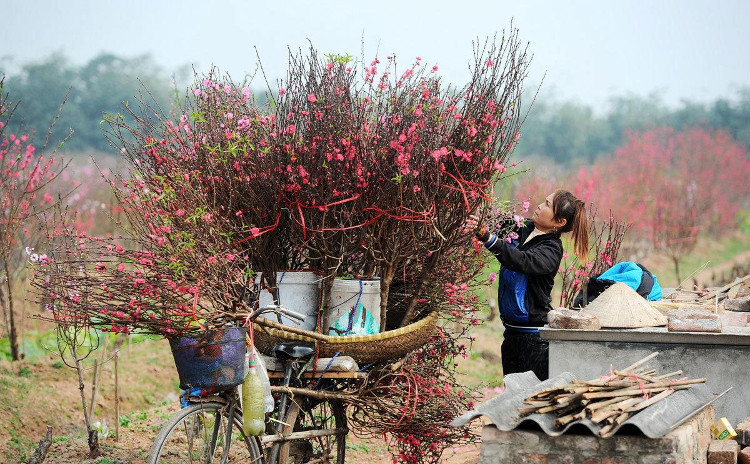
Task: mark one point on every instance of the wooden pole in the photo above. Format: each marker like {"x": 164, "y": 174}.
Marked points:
{"x": 117, "y": 400}
{"x": 94, "y": 388}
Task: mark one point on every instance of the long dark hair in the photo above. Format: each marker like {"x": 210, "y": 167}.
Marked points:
{"x": 566, "y": 206}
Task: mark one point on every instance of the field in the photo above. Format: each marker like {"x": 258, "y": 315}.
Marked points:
{"x": 41, "y": 390}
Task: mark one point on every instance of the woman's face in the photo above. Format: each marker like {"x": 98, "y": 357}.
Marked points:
{"x": 543, "y": 216}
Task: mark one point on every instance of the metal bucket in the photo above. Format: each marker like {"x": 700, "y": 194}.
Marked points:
{"x": 298, "y": 291}
{"x": 212, "y": 359}
{"x": 354, "y": 307}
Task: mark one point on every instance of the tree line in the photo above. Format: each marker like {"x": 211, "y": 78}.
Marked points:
{"x": 572, "y": 134}
{"x": 100, "y": 86}
{"x": 569, "y": 132}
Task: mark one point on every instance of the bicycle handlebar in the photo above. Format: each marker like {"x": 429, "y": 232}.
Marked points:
{"x": 296, "y": 317}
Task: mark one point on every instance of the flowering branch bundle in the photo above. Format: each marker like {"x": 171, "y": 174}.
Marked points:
{"x": 416, "y": 401}
{"x": 385, "y": 173}
{"x": 372, "y": 176}
{"x": 97, "y": 282}
{"x": 605, "y": 241}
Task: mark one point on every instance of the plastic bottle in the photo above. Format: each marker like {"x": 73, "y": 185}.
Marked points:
{"x": 263, "y": 372}
{"x": 253, "y": 402}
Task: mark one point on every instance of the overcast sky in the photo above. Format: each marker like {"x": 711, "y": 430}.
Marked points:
{"x": 590, "y": 49}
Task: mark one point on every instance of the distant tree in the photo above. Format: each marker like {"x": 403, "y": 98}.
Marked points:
{"x": 633, "y": 113}
{"x": 564, "y": 132}
{"x": 41, "y": 86}
{"x": 672, "y": 185}
{"x": 733, "y": 116}
{"x": 100, "y": 86}
{"x": 25, "y": 174}
{"x": 571, "y": 133}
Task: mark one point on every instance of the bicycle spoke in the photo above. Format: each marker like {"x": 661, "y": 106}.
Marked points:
{"x": 200, "y": 434}
{"x": 321, "y": 428}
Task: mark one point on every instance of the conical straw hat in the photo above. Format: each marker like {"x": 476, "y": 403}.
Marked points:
{"x": 620, "y": 306}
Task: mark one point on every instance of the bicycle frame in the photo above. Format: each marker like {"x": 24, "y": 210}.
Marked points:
{"x": 309, "y": 421}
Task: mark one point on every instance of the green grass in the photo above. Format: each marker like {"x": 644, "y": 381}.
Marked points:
{"x": 707, "y": 254}
{"x": 35, "y": 345}
{"x": 105, "y": 461}
{"x": 361, "y": 447}
{"x": 125, "y": 420}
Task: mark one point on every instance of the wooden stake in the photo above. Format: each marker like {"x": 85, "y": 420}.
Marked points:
{"x": 652, "y": 388}
{"x": 565, "y": 420}
{"x": 650, "y": 401}
{"x": 622, "y": 418}
{"x": 638, "y": 363}
{"x": 665, "y": 376}
{"x": 94, "y": 388}
{"x": 117, "y": 399}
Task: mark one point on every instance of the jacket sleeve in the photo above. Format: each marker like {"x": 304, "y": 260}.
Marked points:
{"x": 539, "y": 260}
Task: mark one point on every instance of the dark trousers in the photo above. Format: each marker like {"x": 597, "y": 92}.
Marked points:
{"x": 523, "y": 352}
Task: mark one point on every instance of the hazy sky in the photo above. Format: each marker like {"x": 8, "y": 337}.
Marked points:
{"x": 590, "y": 49}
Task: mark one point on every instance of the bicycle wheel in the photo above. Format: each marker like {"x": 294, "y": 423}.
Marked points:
{"x": 322, "y": 426}
{"x": 188, "y": 436}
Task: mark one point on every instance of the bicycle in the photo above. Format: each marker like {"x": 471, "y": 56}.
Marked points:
{"x": 309, "y": 424}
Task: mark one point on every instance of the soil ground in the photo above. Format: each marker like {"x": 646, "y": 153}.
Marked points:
{"x": 42, "y": 392}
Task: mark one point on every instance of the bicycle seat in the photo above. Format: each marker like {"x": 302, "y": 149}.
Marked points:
{"x": 293, "y": 350}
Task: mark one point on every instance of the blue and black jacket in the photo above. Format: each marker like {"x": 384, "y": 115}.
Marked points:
{"x": 527, "y": 275}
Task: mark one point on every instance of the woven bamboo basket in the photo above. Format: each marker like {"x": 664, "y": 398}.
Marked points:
{"x": 363, "y": 348}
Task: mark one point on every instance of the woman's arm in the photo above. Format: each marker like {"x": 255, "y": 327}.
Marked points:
{"x": 542, "y": 259}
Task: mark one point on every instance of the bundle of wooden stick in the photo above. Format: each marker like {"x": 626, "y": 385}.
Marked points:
{"x": 610, "y": 399}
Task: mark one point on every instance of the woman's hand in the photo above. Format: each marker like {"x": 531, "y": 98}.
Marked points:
{"x": 480, "y": 230}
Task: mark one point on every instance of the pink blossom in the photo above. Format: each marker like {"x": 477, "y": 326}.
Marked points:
{"x": 246, "y": 93}
{"x": 418, "y": 112}
{"x": 525, "y": 206}
{"x": 493, "y": 278}
{"x": 255, "y": 231}
{"x": 440, "y": 153}
{"x": 180, "y": 212}
{"x": 230, "y": 257}
{"x": 197, "y": 92}
{"x": 212, "y": 259}
{"x": 282, "y": 92}
{"x": 312, "y": 98}
{"x": 434, "y": 68}
{"x": 120, "y": 267}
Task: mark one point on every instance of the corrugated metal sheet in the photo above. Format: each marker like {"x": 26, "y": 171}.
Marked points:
{"x": 654, "y": 421}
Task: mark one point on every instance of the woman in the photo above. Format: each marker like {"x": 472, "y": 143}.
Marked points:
{"x": 528, "y": 268}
